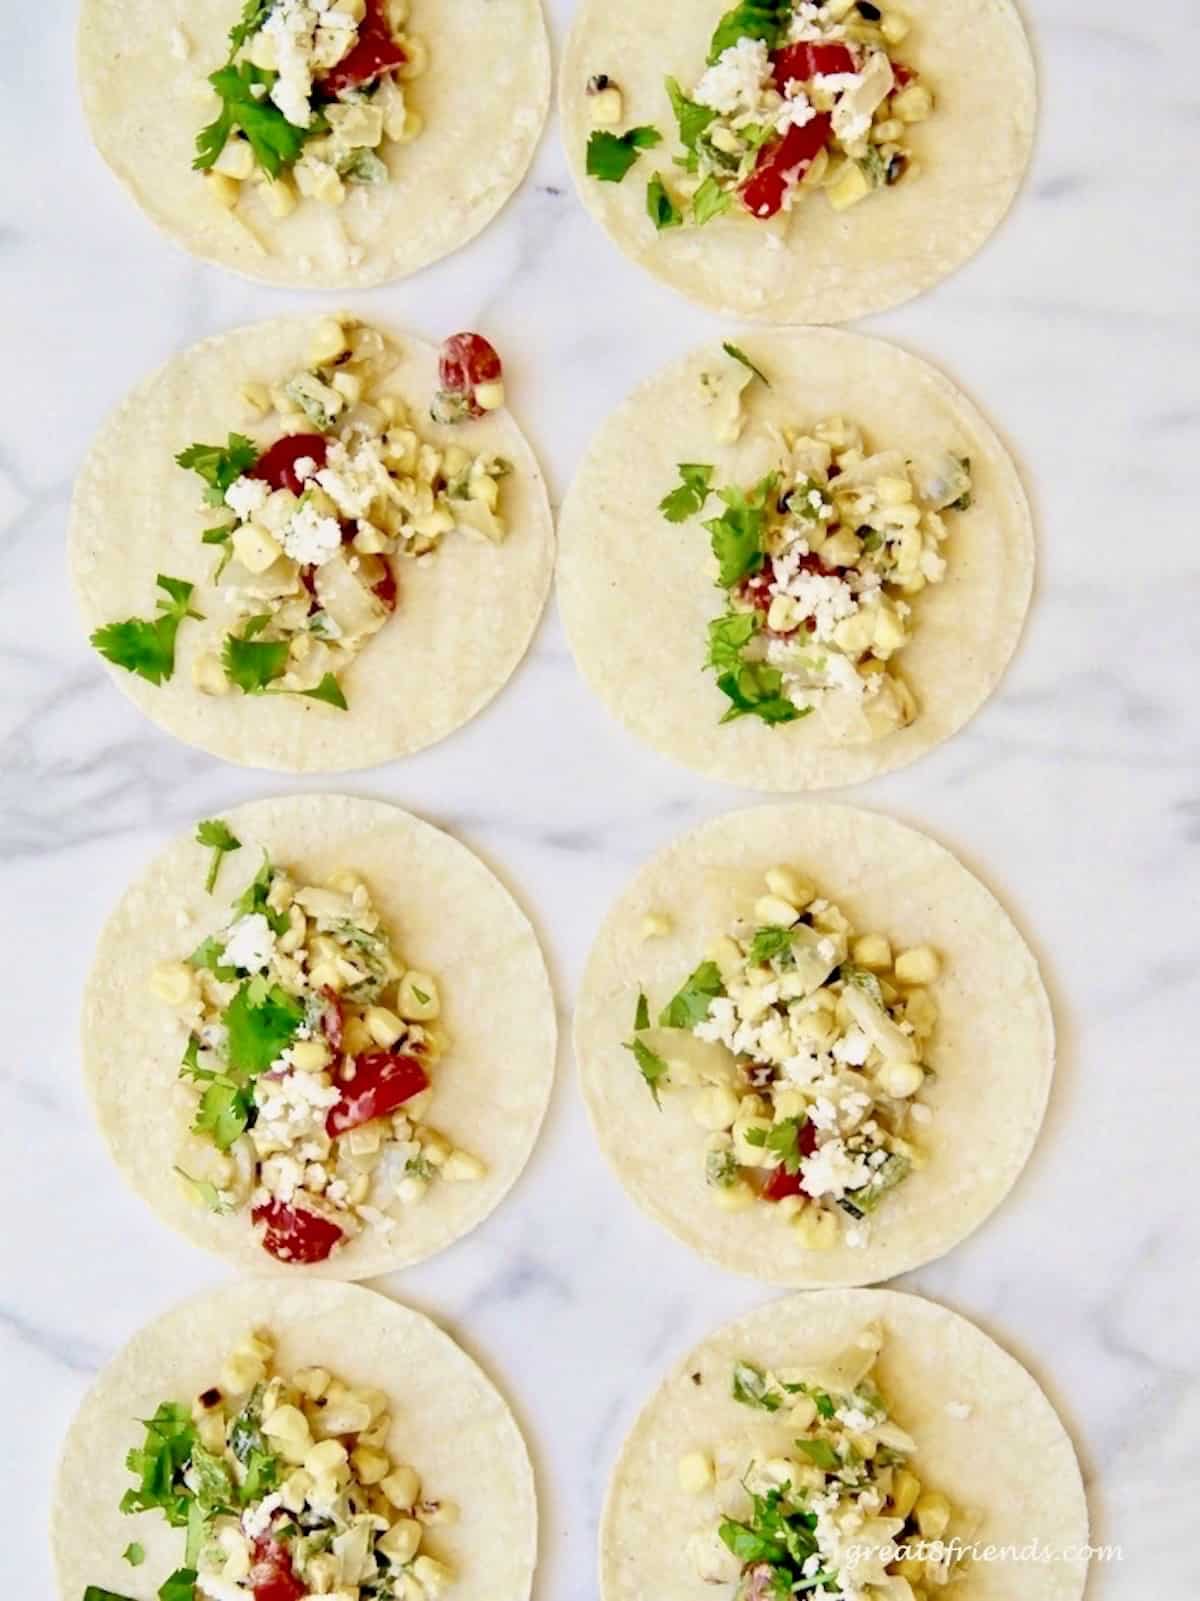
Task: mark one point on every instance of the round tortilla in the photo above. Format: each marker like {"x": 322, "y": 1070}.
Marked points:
{"x": 447, "y": 915}
{"x": 637, "y": 593}
{"x": 1010, "y": 1461}
{"x": 992, "y": 1051}
{"x": 449, "y": 1419}
{"x": 484, "y": 98}
{"x": 463, "y": 621}
{"x": 823, "y": 266}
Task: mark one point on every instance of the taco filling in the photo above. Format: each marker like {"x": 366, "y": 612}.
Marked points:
{"x": 312, "y": 520}
{"x": 794, "y": 97}
{"x": 819, "y": 560}
{"x": 309, "y": 95}
{"x": 799, "y": 1041}
{"x": 826, "y": 1503}
{"x": 282, "y": 1487}
{"x": 311, "y": 1050}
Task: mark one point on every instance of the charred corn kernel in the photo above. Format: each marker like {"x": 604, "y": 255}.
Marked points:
{"x": 715, "y": 1108}
{"x": 173, "y": 983}
{"x": 377, "y": 1434}
{"x": 418, "y": 58}
{"x": 816, "y": 1229}
{"x": 384, "y": 1027}
{"x": 460, "y": 1167}
{"x": 255, "y": 548}
{"x": 417, "y": 998}
{"x": 210, "y": 1430}
{"x": 656, "y": 925}
{"x": 433, "y": 1575}
{"x": 288, "y": 1425}
{"x": 932, "y": 1513}
{"x": 242, "y": 1371}
{"x": 370, "y": 1466}
{"x": 438, "y": 1514}
{"x": 848, "y": 186}
{"x": 402, "y": 1541}
{"x": 789, "y": 886}
{"x": 900, "y": 1079}
{"x": 696, "y": 1472}
{"x": 326, "y": 1458}
{"x": 894, "y": 26}
{"x": 873, "y": 951}
{"x": 236, "y": 160}
{"x": 734, "y": 1197}
{"x": 919, "y": 965}
{"x": 328, "y": 342}
{"x": 913, "y": 104}
{"x": 906, "y": 1487}
{"x": 349, "y": 385}
{"x": 489, "y": 397}
{"x": 775, "y": 911}
{"x": 310, "y": 1056}
{"x": 226, "y": 191}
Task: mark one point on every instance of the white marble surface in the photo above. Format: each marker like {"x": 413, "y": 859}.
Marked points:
{"x": 1074, "y": 794}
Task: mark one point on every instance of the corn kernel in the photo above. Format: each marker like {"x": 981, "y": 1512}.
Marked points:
{"x": 695, "y": 1472}
{"x": 920, "y": 965}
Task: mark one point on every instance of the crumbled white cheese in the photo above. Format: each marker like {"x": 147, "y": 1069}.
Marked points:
{"x": 303, "y": 468}
{"x": 250, "y": 944}
{"x": 256, "y": 1520}
{"x": 736, "y": 80}
{"x": 831, "y": 1170}
{"x": 247, "y": 496}
{"x": 826, "y": 600}
{"x": 796, "y": 112}
{"x": 853, "y": 1048}
{"x": 353, "y": 482}
{"x": 311, "y": 539}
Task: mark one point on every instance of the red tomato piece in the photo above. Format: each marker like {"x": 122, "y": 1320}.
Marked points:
{"x": 782, "y": 1183}
{"x": 271, "y": 1575}
{"x": 386, "y": 587}
{"x": 376, "y": 51}
{"x": 784, "y": 163}
{"x": 295, "y": 1235}
{"x": 382, "y": 1082}
{"x": 277, "y": 466}
{"x": 465, "y": 361}
{"x": 797, "y": 63}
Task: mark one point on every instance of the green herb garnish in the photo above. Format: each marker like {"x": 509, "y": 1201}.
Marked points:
{"x": 207, "y": 1193}
{"x": 751, "y": 1388}
{"x": 820, "y": 1453}
{"x": 220, "y": 466}
{"x": 252, "y": 664}
{"x": 147, "y": 646}
{"x": 224, "y": 1112}
{"x": 650, "y": 1065}
{"x": 736, "y": 354}
{"x": 709, "y": 201}
{"x": 694, "y": 1001}
{"x": 692, "y": 117}
{"x": 134, "y": 1554}
{"x": 275, "y": 141}
{"x": 753, "y": 19}
{"x": 159, "y": 1465}
{"x": 738, "y": 533}
{"x": 262, "y": 1020}
{"x": 610, "y": 155}
{"x": 689, "y": 498}
{"x": 217, "y": 836}
{"x": 660, "y": 208}
{"x": 329, "y": 691}
{"x": 755, "y": 690}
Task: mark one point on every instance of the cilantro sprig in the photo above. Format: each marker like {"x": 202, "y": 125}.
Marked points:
{"x": 262, "y": 1020}
{"x": 253, "y": 664}
{"x": 735, "y": 353}
{"x": 611, "y": 155}
{"x": 752, "y": 19}
{"x": 661, "y": 209}
{"x": 275, "y": 141}
{"x": 146, "y": 646}
{"x": 692, "y": 117}
{"x": 689, "y": 498}
{"x": 651, "y": 1066}
{"x": 781, "y": 1138}
{"x": 220, "y": 466}
{"x": 220, "y": 839}
{"x": 693, "y": 1002}
{"x": 751, "y": 1387}
{"x": 737, "y": 535}
{"x": 755, "y": 689}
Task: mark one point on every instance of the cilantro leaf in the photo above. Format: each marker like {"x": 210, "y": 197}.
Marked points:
{"x": 223, "y": 1113}
{"x": 134, "y": 1554}
{"x": 252, "y": 664}
{"x": 660, "y": 208}
{"x": 750, "y": 1387}
{"x": 256, "y": 898}
{"x": 220, "y": 466}
{"x": 650, "y": 1065}
{"x": 709, "y": 201}
{"x": 728, "y": 636}
{"x": 755, "y": 690}
{"x": 748, "y": 1545}
{"x": 752, "y": 19}
{"x": 689, "y": 498}
{"x": 275, "y": 141}
{"x": 329, "y": 691}
{"x": 254, "y": 14}
{"x": 93, "y": 1592}
{"x": 218, "y": 536}
{"x": 641, "y": 1015}
{"x": 217, "y": 836}
{"x": 146, "y": 646}
{"x": 208, "y": 955}
{"x": 782, "y": 1138}
{"x": 159, "y": 1465}
{"x": 769, "y": 942}
{"x": 820, "y": 1453}
{"x": 213, "y": 1480}
{"x": 737, "y": 534}
{"x": 735, "y": 354}
{"x": 262, "y": 1021}
{"x": 181, "y": 1586}
{"x": 691, "y": 1005}
{"x": 692, "y": 117}
{"x": 208, "y": 1195}
{"x": 610, "y": 155}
